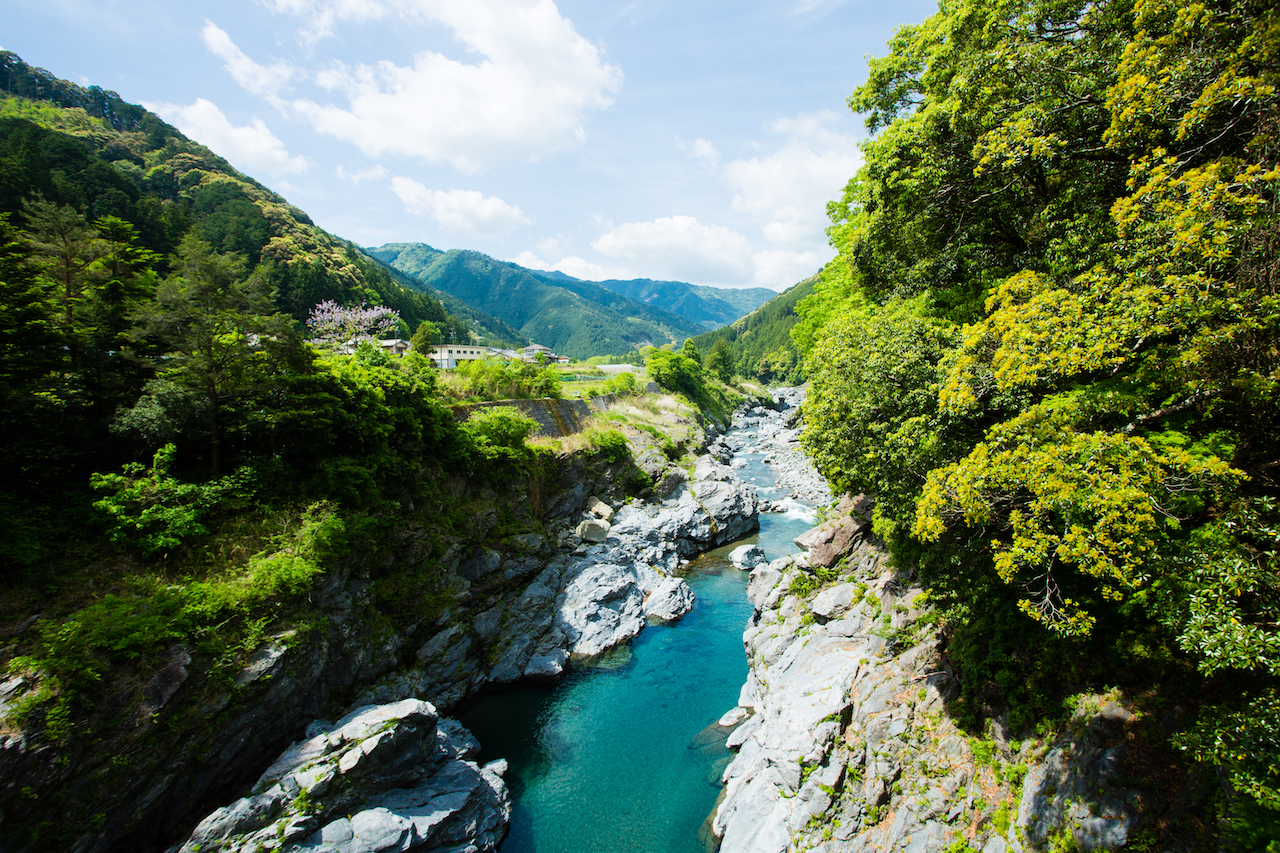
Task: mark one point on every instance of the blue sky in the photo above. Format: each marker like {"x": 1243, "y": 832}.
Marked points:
{"x": 696, "y": 141}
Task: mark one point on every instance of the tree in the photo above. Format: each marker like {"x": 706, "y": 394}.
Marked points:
{"x": 1091, "y": 189}
{"x": 690, "y": 351}
{"x": 425, "y": 337}
{"x": 719, "y": 362}
{"x": 219, "y": 330}
{"x": 30, "y": 342}
{"x": 332, "y": 325}
{"x": 872, "y": 408}
{"x": 675, "y": 373}
{"x": 67, "y": 249}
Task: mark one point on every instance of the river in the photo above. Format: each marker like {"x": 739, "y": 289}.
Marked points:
{"x": 617, "y": 755}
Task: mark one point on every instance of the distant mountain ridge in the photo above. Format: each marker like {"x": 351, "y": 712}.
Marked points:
{"x": 573, "y": 317}
{"x": 712, "y": 307}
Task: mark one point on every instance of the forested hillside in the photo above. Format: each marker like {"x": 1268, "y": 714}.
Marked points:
{"x": 89, "y": 150}
{"x": 575, "y": 318}
{"x": 1050, "y": 345}
{"x": 760, "y": 344}
{"x": 181, "y": 464}
{"x": 711, "y": 307}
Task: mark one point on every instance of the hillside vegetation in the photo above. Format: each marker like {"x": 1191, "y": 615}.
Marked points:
{"x": 180, "y": 469}
{"x": 1050, "y": 346}
{"x": 710, "y": 307}
{"x": 575, "y": 318}
{"x": 760, "y": 345}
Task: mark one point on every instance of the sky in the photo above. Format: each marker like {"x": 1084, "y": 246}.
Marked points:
{"x": 667, "y": 139}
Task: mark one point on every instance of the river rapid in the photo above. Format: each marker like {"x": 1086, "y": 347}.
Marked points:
{"x": 623, "y": 753}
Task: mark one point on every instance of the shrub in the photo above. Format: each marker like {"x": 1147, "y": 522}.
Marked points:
{"x": 611, "y": 444}
{"x": 156, "y": 512}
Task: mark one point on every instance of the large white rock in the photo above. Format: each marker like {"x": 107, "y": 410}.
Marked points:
{"x": 747, "y": 557}
{"x": 407, "y": 786}
{"x": 669, "y": 600}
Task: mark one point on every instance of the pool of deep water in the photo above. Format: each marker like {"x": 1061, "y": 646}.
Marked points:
{"x": 617, "y": 756}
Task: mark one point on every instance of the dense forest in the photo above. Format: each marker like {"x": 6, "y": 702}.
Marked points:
{"x": 1050, "y": 346}
{"x": 178, "y": 462}
{"x": 761, "y": 344}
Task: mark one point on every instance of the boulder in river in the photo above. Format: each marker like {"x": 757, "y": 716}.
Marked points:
{"x": 747, "y": 557}
{"x": 384, "y": 777}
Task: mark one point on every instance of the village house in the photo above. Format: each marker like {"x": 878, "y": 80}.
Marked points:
{"x": 447, "y": 356}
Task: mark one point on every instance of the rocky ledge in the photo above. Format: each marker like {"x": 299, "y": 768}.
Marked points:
{"x": 391, "y": 777}
{"x": 614, "y": 573}
{"x": 846, "y": 742}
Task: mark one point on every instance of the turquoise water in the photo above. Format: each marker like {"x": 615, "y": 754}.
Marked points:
{"x": 618, "y": 756}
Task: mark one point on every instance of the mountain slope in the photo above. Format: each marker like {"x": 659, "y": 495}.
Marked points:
{"x": 575, "y": 318}
{"x": 760, "y": 343}
{"x": 90, "y": 150}
{"x": 710, "y": 307}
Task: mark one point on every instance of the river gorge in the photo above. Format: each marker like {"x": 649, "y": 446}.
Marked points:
{"x": 589, "y": 691}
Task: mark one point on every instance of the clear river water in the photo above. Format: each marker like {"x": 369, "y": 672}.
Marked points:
{"x": 618, "y": 755}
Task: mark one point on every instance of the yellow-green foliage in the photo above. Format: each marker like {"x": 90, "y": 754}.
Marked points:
{"x": 1075, "y": 415}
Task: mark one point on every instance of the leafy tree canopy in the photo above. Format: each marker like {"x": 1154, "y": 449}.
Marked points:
{"x": 1049, "y": 341}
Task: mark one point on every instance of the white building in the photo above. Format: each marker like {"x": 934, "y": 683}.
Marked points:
{"x": 447, "y": 356}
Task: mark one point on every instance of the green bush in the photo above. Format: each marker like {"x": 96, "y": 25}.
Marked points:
{"x": 148, "y": 508}
{"x": 500, "y": 426}
{"x": 611, "y": 444}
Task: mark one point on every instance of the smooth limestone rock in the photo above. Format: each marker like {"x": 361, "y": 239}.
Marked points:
{"x": 747, "y": 557}
{"x": 848, "y": 747}
{"x": 385, "y": 777}
{"x": 593, "y": 530}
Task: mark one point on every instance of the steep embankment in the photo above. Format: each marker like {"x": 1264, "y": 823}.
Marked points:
{"x": 373, "y": 779}
{"x": 847, "y": 741}
{"x": 569, "y": 564}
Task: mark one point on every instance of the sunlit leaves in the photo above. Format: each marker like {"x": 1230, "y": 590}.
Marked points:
{"x": 1058, "y": 499}
{"x": 872, "y": 405}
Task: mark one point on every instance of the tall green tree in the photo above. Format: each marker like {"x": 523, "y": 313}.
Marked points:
{"x": 1089, "y": 193}
{"x": 719, "y": 362}
{"x": 67, "y": 249}
{"x": 220, "y": 333}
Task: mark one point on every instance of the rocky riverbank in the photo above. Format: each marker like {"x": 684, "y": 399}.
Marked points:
{"x": 605, "y": 568}
{"x": 843, "y": 735}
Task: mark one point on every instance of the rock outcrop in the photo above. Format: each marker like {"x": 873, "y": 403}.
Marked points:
{"x": 847, "y": 744}
{"x": 388, "y": 777}
{"x": 506, "y": 590}
{"x": 588, "y": 599}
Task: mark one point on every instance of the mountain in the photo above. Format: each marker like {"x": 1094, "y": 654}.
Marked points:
{"x": 88, "y": 149}
{"x": 760, "y": 343}
{"x": 710, "y": 307}
{"x": 574, "y": 318}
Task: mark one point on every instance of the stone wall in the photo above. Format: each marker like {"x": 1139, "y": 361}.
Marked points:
{"x": 556, "y": 418}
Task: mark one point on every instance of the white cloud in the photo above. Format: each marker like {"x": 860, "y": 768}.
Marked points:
{"x": 252, "y": 148}
{"x": 376, "y": 172}
{"x": 465, "y": 211}
{"x": 322, "y": 15}
{"x": 779, "y": 269}
{"x": 792, "y": 185}
{"x": 574, "y": 266}
{"x": 527, "y": 94}
{"x": 263, "y": 80}
{"x": 706, "y": 152}
{"x": 681, "y": 247}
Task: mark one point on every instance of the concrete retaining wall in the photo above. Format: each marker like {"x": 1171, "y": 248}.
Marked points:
{"x": 556, "y": 418}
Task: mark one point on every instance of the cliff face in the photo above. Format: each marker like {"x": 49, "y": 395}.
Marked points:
{"x": 848, "y": 745}
{"x": 517, "y": 599}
